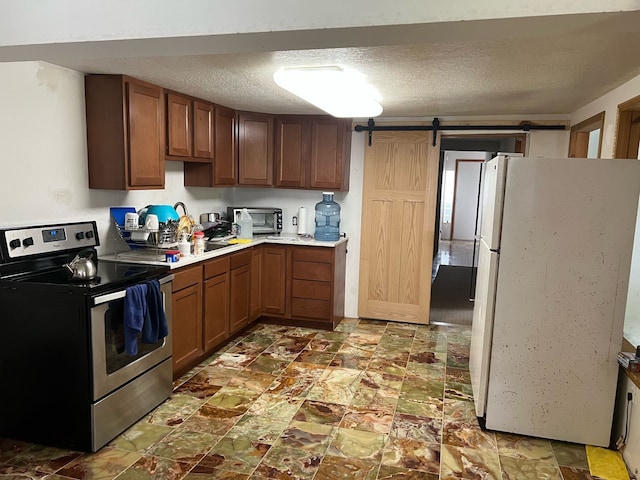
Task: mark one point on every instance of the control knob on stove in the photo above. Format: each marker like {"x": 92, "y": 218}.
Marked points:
{"x": 27, "y": 242}
{"x": 15, "y": 243}
{"x": 89, "y": 234}
{"x": 79, "y": 235}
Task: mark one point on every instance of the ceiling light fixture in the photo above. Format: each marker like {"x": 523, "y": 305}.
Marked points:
{"x": 338, "y": 91}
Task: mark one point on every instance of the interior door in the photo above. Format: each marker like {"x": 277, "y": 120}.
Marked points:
{"x": 398, "y": 218}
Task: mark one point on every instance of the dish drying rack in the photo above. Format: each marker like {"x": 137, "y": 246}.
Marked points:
{"x": 145, "y": 242}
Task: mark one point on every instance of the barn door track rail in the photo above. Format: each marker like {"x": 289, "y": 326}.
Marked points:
{"x": 435, "y": 127}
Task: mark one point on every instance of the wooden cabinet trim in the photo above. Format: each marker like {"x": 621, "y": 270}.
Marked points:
{"x": 145, "y": 127}
{"x": 255, "y": 148}
{"x": 186, "y": 277}
{"x": 311, "y": 289}
{"x": 179, "y": 125}
{"x": 241, "y": 258}
{"x": 216, "y": 311}
{"x": 215, "y": 267}
{"x": 313, "y": 254}
{"x": 203, "y": 130}
{"x": 309, "y": 308}
{"x": 312, "y": 271}
{"x": 187, "y": 327}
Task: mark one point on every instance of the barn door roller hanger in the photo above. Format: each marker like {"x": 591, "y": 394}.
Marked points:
{"x": 435, "y": 127}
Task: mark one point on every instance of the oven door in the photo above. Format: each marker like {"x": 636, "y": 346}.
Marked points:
{"x": 112, "y": 367}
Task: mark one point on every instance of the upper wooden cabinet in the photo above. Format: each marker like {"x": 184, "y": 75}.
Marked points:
{"x": 255, "y": 149}
{"x": 330, "y": 153}
{"x": 312, "y": 152}
{"x": 179, "y": 134}
{"x": 293, "y": 151}
{"x": 203, "y": 128}
{"x": 226, "y": 158}
{"x": 223, "y": 172}
{"x": 190, "y": 127}
{"x": 125, "y": 133}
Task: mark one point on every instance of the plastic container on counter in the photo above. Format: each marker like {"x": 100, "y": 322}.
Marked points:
{"x": 245, "y": 225}
{"x": 198, "y": 243}
{"x": 327, "y": 219}
{"x": 171, "y": 256}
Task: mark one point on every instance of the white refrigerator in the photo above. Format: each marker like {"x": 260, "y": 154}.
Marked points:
{"x": 553, "y": 273}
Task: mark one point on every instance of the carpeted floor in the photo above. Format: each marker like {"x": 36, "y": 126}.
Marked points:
{"x": 450, "y": 295}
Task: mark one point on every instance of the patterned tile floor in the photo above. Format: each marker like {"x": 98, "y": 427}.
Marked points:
{"x": 371, "y": 400}
{"x": 453, "y": 252}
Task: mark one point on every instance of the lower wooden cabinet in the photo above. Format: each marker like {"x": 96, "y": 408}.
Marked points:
{"x": 187, "y": 318}
{"x": 255, "y": 308}
{"x": 240, "y": 287}
{"x": 317, "y": 284}
{"x": 216, "y": 303}
{"x": 217, "y": 298}
{"x": 275, "y": 280}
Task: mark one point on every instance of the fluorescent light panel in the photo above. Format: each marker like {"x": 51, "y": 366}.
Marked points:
{"x": 340, "y": 92}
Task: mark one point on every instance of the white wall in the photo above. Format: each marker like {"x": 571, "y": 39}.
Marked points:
{"x": 609, "y": 104}
{"x": 547, "y": 143}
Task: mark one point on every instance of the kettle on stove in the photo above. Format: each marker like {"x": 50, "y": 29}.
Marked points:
{"x": 82, "y": 267}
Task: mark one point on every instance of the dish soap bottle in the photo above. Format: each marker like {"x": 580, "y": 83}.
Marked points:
{"x": 245, "y": 224}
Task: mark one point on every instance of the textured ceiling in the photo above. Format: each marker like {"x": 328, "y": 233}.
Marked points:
{"x": 461, "y": 74}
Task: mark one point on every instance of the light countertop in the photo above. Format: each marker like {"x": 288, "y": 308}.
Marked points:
{"x": 151, "y": 256}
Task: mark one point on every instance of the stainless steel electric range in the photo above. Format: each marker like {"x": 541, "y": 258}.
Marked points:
{"x": 67, "y": 378}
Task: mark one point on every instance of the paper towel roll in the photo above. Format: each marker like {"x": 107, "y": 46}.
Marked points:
{"x": 302, "y": 221}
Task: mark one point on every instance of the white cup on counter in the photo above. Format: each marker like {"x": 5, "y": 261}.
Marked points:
{"x": 131, "y": 221}
{"x": 151, "y": 222}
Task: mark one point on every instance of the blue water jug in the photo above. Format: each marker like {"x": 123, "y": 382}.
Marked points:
{"x": 327, "y": 219}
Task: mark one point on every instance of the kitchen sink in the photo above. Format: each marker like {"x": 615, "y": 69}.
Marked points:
{"x": 210, "y": 246}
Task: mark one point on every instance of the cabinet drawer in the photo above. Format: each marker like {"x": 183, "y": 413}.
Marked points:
{"x": 312, "y": 271}
{"x": 311, "y": 289}
{"x": 241, "y": 258}
{"x": 308, "y": 308}
{"x": 313, "y": 254}
{"x": 184, "y": 278}
{"x": 216, "y": 267}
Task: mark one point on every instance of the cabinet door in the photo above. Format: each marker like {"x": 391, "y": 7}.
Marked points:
{"x": 216, "y": 311}
{"x": 179, "y": 128}
{"x": 187, "y": 327}
{"x": 256, "y": 283}
{"x": 274, "y": 280}
{"x": 226, "y": 158}
{"x": 240, "y": 298}
{"x": 255, "y": 149}
{"x": 145, "y": 107}
{"x": 330, "y": 153}
{"x": 293, "y": 148}
{"x": 202, "y": 130}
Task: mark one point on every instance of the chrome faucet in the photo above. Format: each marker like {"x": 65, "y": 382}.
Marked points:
{"x": 180, "y": 204}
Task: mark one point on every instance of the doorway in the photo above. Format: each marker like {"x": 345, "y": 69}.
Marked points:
{"x": 459, "y": 212}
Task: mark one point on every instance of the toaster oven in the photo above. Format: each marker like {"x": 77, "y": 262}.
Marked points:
{"x": 265, "y": 221}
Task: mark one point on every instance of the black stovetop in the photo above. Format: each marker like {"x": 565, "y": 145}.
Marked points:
{"x": 110, "y": 275}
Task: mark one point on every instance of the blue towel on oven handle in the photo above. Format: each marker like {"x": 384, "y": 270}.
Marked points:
{"x": 156, "y": 327}
{"x": 136, "y": 316}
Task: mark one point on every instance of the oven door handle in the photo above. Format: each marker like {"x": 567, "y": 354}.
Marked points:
{"x": 110, "y": 297}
